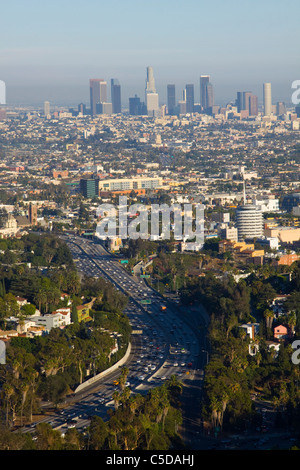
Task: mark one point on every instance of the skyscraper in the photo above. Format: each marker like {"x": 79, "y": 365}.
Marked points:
{"x": 152, "y": 101}
{"x": 239, "y": 101}
{"x": 46, "y": 108}
{"x": 116, "y": 96}
{"x": 136, "y": 108}
{"x": 189, "y": 89}
{"x": 98, "y": 94}
{"x": 209, "y": 96}
{"x": 150, "y": 82}
{"x": 280, "y": 108}
{"x": 253, "y": 105}
{"x": 246, "y": 97}
{"x": 267, "y": 93}
{"x": 204, "y": 80}
{"x": 171, "y": 98}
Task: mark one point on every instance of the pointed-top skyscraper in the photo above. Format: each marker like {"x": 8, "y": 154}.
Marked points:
{"x": 151, "y": 95}
{"x": 150, "y": 82}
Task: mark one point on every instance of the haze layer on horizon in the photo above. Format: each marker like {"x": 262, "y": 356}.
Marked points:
{"x": 49, "y": 50}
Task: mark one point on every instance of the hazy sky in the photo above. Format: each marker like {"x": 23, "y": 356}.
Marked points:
{"x": 50, "y": 49}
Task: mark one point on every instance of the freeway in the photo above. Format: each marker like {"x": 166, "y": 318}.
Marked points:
{"x": 168, "y": 345}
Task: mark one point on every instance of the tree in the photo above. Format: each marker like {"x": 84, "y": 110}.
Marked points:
{"x": 98, "y": 433}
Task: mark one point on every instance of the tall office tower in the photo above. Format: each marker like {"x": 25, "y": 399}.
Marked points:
{"x": 115, "y": 95}
{"x": 171, "y": 99}
{"x": 82, "y": 108}
{"x": 246, "y": 97}
{"x": 253, "y": 105}
{"x": 152, "y": 104}
{"x": 209, "y": 96}
{"x": 152, "y": 100}
{"x": 98, "y": 94}
{"x": 105, "y": 108}
{"x": 239, "y": 101}
{"x": 136, "y": 107}
{"x": 249, "y": 222}
{"x": 150, "y": 82}
{"x": 280, "y": 108}
{"x": 46, "y": 108}
{"x": 189, "y": 94}
{"x": 267, "y": 92}
{"x": 204, "y": 80}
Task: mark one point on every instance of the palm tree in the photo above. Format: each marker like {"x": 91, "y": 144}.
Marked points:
{"x": 116, "y": 397}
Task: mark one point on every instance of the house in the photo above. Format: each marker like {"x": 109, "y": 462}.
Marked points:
{"x": 281, "y": 332}
{"x": 21, "y": 301}
{"x": 83, "y": 311}
{"x": 58, "y": 319}
{"x": 277, "y": 305}
{"x": 251, "y": 329}
{"x": 5, "y": 335}
{"x": 34, "y": 331}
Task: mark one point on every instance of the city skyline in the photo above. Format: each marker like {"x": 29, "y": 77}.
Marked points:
{"x": 48, "y": 51}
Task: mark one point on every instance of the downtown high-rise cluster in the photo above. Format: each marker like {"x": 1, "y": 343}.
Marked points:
{"x": 246, "y": 103}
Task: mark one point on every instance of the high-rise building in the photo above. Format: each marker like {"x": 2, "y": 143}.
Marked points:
{"x": 246, "y": 97}
{"x": 239, "y": 101}
{"x": 116, "y": 96}
{"x": 105, "y": 108}
{"x": 253, "y": 105}
{"x": 280, "y": 108}
{"x": 243, "y": 101}
{"x": 152, "y": 100}
{"x": 150, "y": 82}
{"x": 89, "y": 187}
{"x": 204, "y": 80}
{"x": 267, "y": 94}
{"x": 171, "y": 94}
{"x": 136, "y": 107}
{"x": 189, "y": 93}
{"x": 98, "y": 94}
{"x": 46, "y": 108}
{"x": 249, "y": 222}
{"x": 82, "y": 108}
{"x": 152, "y": 104}
{"x": 209, "y": 96}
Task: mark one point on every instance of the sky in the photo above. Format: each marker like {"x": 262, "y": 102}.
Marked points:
{"x": 50, "y": 49}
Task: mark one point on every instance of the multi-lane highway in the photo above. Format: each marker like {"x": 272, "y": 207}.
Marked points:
{"x": 166, "y": 344}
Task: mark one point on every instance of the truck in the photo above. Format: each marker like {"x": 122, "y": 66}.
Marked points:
{"x": 163, "y": 308}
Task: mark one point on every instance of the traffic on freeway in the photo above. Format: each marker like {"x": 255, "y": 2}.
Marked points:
{"x": 163, "y": 344}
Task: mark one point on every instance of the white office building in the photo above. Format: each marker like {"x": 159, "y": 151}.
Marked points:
{"x": 249, "y": 222}
{"x": 267, "y": 204}
{"x": 267, "y": 92}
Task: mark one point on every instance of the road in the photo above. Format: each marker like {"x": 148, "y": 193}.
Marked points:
{"x": 169, "y": 344}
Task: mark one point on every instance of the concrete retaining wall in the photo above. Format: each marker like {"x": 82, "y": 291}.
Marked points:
{"x": 103, "y": 374}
